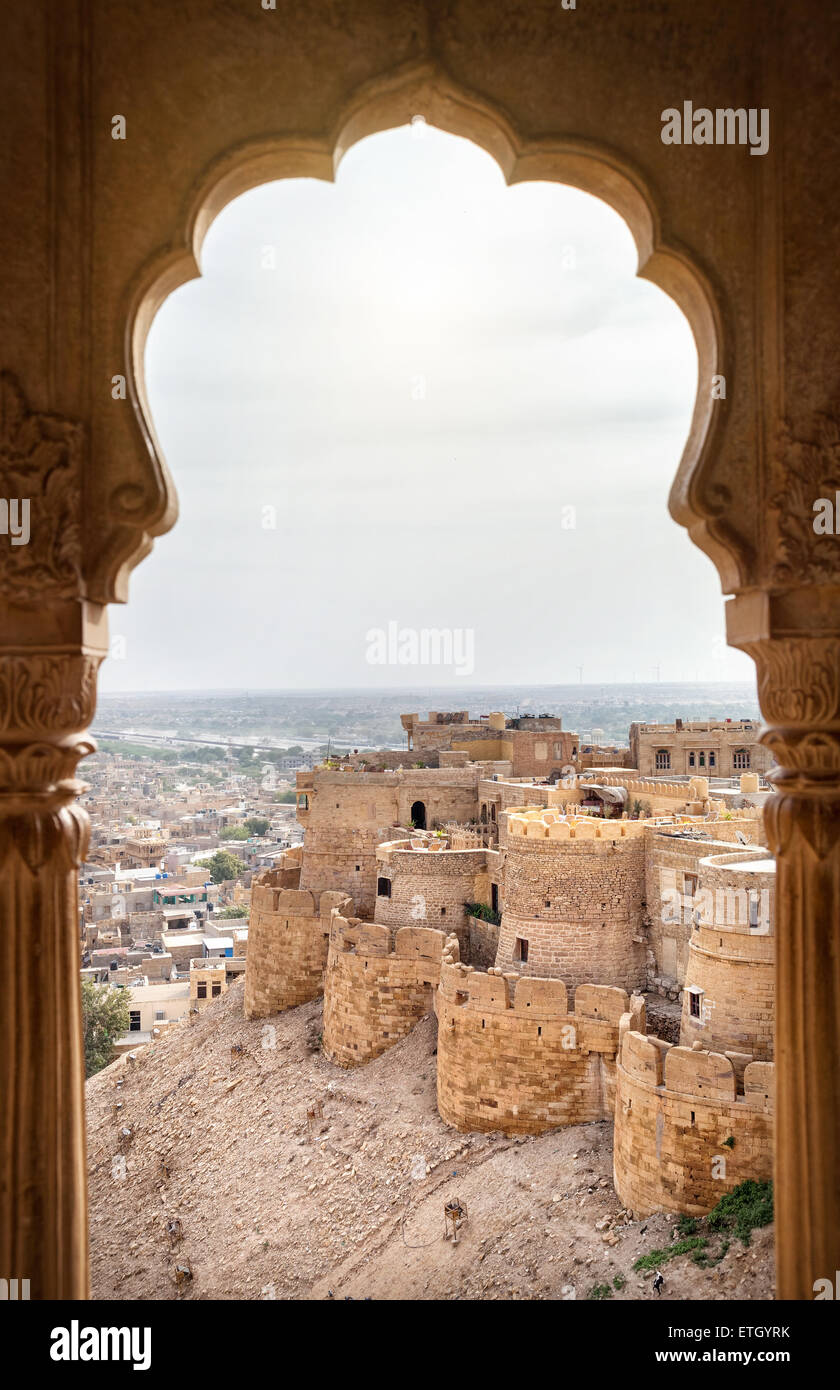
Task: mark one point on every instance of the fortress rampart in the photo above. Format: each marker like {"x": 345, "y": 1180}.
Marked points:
{"x": 521, "y": 1060}
{"x": 573, "y": 895}
{"x": 552, "y": 1033}
{"x": 423, "y": 883}
{"x": 729, "y": 995}
{"x": 373, "y": 995}
{"x": 689, "y": 1125}
{"x": 672, "y": 876}
{"x": 288, "y": 937}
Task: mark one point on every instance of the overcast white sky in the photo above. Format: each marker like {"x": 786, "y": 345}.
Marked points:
{"x": 436, "y": 368}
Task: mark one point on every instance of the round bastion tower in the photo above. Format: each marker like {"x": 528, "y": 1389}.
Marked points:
{"x": 573, "y": 899}
{"x": 729, "y": 994}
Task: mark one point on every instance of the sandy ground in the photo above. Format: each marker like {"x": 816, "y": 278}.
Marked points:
{"x": 348, "y": 1201}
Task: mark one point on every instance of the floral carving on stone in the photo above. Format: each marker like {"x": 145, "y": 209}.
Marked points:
{"x": 798, "y": 680}
{"x": 40, "y": 463}
{"x": 803, "y": 471}
{"x": 47, "y": 693}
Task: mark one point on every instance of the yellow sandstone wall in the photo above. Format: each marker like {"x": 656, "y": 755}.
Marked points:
{"x": 526, "y": 1066}
{"x": 575, "y": 893}
{"x": 350, "y": 813}
{"x": 674, "y": 1110}
{"x": 671, "y": 854}
{"x": 373, "y": 996}
{"x": 430, "y": 887}
{"x": 731, "y": 963}
{"x": 288, "y": 938}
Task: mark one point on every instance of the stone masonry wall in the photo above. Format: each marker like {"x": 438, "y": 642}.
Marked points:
{"x": 732, "y": 963}
{"x": 349, "y": 813}
{"x": 373, "y": 996}
{"x": 430, "y": 887}
{"x": 288, "y": 937}
{"x": 482, "y": 944}
{"x": 526, "y": 1066}
{"x": 577, "y": 902}
{"x": 675, "y": 1108}
{"x": 671, "y": 855}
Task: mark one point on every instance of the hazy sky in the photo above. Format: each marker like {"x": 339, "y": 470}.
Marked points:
{"x": 460, "y": 409}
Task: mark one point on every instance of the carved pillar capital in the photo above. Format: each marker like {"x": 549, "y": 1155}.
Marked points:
{"x": 799, "y": 692}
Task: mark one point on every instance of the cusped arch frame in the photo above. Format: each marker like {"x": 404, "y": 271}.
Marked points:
{"x": 383, "y": 104}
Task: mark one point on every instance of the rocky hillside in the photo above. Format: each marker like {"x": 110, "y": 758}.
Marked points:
{"x": 286, "y": 1177}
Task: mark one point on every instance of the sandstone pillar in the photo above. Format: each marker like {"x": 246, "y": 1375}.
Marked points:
{"x": 799, "y": 688}
{"x": 52, "y": 644}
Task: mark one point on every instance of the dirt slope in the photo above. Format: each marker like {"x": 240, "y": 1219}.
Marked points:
{"x": 349, "y": 1202}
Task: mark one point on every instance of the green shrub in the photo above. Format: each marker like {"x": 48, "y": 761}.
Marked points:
{"x": 483, "y": 911}
{"x": 743, "y": 1210}
{"x": 660, "y": 1257}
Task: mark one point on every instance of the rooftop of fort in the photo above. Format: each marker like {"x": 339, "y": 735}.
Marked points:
{"x": 460, "y": 771}
{"x": 427, "y": 850}
{"x": 700, "y": 726}
{"x": 558, "y": 824}
{"x": 495, "y": 722}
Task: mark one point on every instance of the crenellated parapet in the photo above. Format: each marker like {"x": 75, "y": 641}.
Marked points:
{"x": 374, "y": 993}
{"x": 573, "y": 898}
{"x": 689, "y": 1124}
{"x": 288, "y": 940}
{"x": 514, "y": 1056}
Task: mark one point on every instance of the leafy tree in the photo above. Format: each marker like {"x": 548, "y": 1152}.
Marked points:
{"x": 286, "y": 798}
{"x": 224, "y": 865}
{"x": 105, "y": 1016}
{"x": 233, "y": 832}
{"x": 227, "y": 913}
{"x": 257, "y": 825}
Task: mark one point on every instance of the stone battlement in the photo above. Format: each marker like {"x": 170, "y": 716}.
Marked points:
{"x": 689, "y": 1124}
{"x": 288, "y": 937}
{"x": 512, "y": 1054}
{"x": 373, "y": 994}
{"x": 547, "y": 823}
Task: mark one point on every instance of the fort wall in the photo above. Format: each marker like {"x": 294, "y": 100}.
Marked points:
{"x": 482, "y": 943}
{"x": 686, "y": 1131}
{"x": 374, "y": 996}
{"x": 672, "y": 860}
{"x": 420, "y": 882}
{"x": 288, "y": 939}
{"x": 514, "y": 1056}
{"x": 347, "y": 814}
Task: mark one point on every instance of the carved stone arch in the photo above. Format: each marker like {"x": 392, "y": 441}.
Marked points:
{"x": 386, "y": 103}
{"x": 95, "y": 235}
